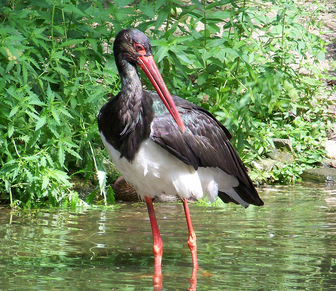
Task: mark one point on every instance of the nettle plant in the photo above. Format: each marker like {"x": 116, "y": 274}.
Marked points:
{"x": 54, "y": 75}
{"x": 239, "y": 59}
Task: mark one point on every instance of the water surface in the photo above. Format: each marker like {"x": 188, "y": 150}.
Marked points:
{"x": 288, "y": 244}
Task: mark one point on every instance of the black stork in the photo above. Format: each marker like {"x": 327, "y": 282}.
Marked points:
{"x": 163, "y": 143}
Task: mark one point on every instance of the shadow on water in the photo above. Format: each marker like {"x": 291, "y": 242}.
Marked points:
{"x": 287, "y": 244}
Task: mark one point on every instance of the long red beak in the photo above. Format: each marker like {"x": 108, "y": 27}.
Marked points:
{"x": 147, "y": 64}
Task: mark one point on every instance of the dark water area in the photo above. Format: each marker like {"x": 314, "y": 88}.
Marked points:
{"x": 288, "y": 244}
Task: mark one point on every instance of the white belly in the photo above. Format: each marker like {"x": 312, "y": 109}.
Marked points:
{"x": 154, "y": 170}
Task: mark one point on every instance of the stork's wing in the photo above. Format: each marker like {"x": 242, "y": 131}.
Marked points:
{"x": 204, "y": 144}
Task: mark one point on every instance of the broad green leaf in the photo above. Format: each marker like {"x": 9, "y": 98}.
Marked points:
{"x": 45, "y": 182}
{"x": 24, "y": 73}
{"x": 50, "y": 79}
{"x": 14, "y": 110}
{"x": 10, "y": 130}
{"x": 55, "y": 114}
{"x": 59, "y": 29}
{"x": 147, "y": 10}
{"x": 49, "y": 159}
{"x": 110, "y": 195}
{"x": 158, "y": 4}
{"x": 102, "y": 180}
{"x": 74, "y": 10}
{"x": 61, "y": 155}
{"x": 60, "y": 176}
{"x": 43, "y": 161}
{"x": 73, "y": 102}
{"x": 320, "y": 56}
{"x": 50, "y": 94}
{"x": 58, "y": 55}
{"x": 65, "y": 112}
{"x": 94, "y": 96}
{"x": 183, "y": 57}
{"x": 31, "y": 158}
{"x": 40, "y": 122}
{"x": 82, "y": 61}
{"x": 198, "y": 4}
{"x": 122, "y": 3}
{"x": 202, "y": 78}
{"x": 93, "y": 44}
{"x": 61, "y": 71}
{"x": 161, "y": 53}
{"x": 10, "y": 66}
{"x": 73, "y": 153}
{"x": 199, "y": 57}
{"x": 219, "y": 15}
{"x": 53, "y": 126}
{"x": 34, "y": 138}
{"x": 162, "y": 16}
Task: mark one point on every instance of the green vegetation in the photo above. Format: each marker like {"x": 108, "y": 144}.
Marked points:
{"x": 240, "y": 60}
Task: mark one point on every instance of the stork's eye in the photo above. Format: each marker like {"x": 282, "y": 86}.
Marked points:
{"x": 140, "y": 48}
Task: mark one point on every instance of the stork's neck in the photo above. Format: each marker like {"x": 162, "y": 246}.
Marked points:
{"x": 131, "y": 97}
{"x": 130, "y": 80}
{"x": 125, "y": 120}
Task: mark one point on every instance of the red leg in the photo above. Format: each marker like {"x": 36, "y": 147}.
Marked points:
{"x": 192, "y": 246}
{"x": 157, "y": 245}
{"x": 192, "y": 235}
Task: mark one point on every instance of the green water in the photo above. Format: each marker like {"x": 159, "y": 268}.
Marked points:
{"x": 289, "y": 244}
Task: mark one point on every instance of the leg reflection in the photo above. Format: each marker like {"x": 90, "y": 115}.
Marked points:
{"x": 193, "y": 279}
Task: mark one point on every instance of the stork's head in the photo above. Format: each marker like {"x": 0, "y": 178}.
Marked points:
{"x": 133, "y": 46}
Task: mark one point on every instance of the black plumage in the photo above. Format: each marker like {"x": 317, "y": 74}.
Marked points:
{"x": 206, "y": 143}
{"x": 125, "y": 123}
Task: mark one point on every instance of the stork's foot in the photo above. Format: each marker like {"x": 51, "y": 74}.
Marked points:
{"x": 193, "y": 279}
{"x": 157, "y": 251}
